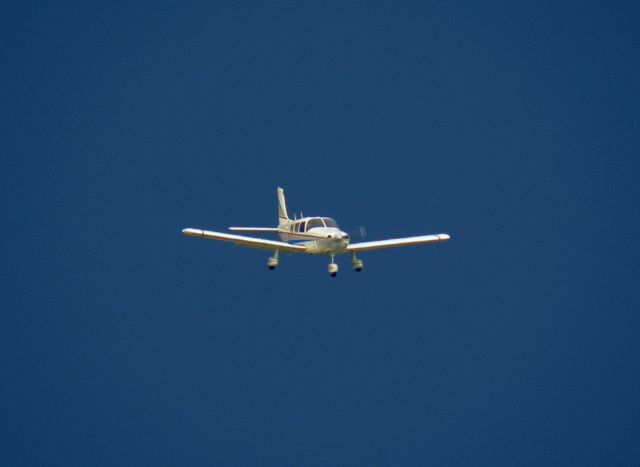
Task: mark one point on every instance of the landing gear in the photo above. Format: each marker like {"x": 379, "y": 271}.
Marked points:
{"x": 333, "y": 267}
{"x": 355, "y": 262}
{"x": 272, "y": 262}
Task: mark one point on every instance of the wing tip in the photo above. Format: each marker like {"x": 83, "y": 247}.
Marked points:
{"x": 190, "y": 231}
{"x": 444, "y": 236}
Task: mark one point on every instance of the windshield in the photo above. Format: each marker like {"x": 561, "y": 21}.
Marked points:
{"x": 312, "y": 223}
{"x": 329, "y": 222}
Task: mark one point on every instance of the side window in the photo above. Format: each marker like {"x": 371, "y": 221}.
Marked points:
{"x": 313, "y": 223}
{"x": 301, "y": 226}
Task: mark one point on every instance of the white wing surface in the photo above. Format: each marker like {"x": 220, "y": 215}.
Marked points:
{"x": 397, "y": 242}
{"x": 254, "y": 229}
{"x": 246, "y": 241}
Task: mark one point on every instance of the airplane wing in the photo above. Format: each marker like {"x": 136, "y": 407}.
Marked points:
{"x": 250, "y": 242}
{"x": 254, "y": 229}
{"x": 397, "y": 242}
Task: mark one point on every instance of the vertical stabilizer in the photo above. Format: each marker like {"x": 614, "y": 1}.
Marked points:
{"x": 283, "y": 217}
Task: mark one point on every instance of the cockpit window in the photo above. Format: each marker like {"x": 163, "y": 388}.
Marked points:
{"x": 301, "y": 227}
{"x": 329, "y": 222}
{"x": 315, "y": 222}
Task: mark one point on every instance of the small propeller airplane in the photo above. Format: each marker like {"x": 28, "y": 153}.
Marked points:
{"x": 314, "y": 235}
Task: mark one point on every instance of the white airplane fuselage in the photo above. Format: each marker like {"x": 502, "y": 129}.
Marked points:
{"x": 320, "y": 240}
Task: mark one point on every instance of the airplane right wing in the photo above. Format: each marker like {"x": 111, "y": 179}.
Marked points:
{"x": 254, "y": 229}
{"x": 397, "y": 242}
{"x": 250, "y": 242}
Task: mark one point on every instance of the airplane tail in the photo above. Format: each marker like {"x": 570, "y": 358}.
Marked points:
{"x": 283, "y": 217}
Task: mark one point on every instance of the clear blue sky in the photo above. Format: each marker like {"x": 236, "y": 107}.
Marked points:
{"x": 512, "y": 127}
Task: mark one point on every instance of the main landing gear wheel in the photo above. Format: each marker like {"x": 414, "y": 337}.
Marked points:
{"x": 272, "y": 262}
{"x": 355, "y": 262}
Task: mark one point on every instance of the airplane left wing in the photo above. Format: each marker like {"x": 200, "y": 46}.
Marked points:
{"x": 397, "y": 242}
{"x": 246, "y": 241}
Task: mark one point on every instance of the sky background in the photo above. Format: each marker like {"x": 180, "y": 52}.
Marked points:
{"x": 512, "y": 126}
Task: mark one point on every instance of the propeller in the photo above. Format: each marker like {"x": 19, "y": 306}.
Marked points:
{"x": 359, "y": 233}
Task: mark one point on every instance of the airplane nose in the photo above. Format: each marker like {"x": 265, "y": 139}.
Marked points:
{"x": 343, "y": 236}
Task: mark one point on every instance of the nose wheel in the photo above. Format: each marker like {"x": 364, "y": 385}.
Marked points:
{"x": 333, "y": 267}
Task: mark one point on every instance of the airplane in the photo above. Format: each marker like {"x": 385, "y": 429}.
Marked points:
{"x": 311, "y": 235}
